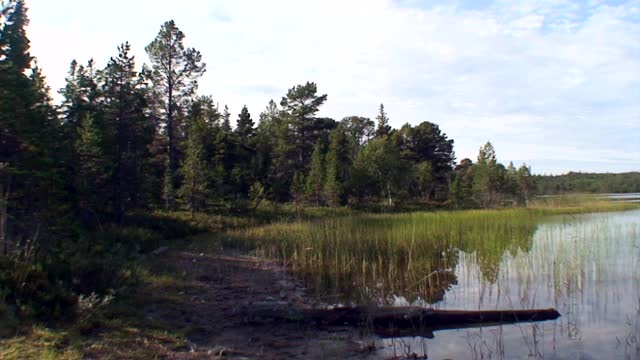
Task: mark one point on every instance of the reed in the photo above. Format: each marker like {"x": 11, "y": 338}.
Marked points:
{"x": 372, "y": 257}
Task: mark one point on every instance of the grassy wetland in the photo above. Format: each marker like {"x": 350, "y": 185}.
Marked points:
{"x": 376, "y": 258}
{"x": 575, "y": 254}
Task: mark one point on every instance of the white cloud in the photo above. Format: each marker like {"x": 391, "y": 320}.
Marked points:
{"x": 511, "y": 72}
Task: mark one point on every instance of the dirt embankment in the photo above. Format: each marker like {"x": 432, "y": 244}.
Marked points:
{"x": 207, "y": 306}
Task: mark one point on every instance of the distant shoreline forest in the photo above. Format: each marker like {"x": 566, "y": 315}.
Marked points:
{"x": 588, "y": 183}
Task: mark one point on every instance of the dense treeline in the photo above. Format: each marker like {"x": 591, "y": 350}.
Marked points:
{"x": 575, "y": 182}
{"x": 131, "y": 138}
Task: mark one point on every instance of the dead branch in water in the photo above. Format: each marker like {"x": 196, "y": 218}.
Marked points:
{"x": 394, "y": 321}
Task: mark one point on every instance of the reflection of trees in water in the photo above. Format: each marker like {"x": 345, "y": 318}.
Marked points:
{"x": 424, "y": 276}
{"x": 382, "y": 282}
{"x": 491, "y": 248}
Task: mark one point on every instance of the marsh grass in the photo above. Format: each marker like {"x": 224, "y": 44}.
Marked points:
{"x": 372, "y": 258}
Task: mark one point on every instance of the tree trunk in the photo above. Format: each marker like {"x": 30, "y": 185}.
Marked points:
{"x": 171, "y": 151}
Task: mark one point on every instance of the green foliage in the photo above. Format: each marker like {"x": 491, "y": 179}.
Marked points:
{"x": 424, "y": 179}
{"x": 129, "y": 130}
{"x": 316, "y": 177}
{"x": 195, "y": 170}
{"x": 383, "y": 127}
{"x": 576, "y": 182}
{"x": 338, "y": 167}
{"x": 495, "y": 185}
{"x": 175, "y": 73}
{"x": 245, "y": 125}
{"x": 381, "y": 161}
{"x": 257, "y": 194}
{"x": 298, "y": 187}
{"x": 461, "y": 193}
{"x": 426, "y": 143}
{"x": 247, "y": 165}
{"x": 13, "y": 38}
{"x": 93, "y": 165}
{"x": 32, "y": 293}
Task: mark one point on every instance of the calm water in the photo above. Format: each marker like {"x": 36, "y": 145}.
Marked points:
{"x": 586, "y": 266}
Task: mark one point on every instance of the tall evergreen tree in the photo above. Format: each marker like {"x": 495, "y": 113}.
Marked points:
{"x": 383, "y": 128}
{"x": 14, "y": 42}
{"x": 246, "y": 165}
{"x": 301, "y": 105}
{"x": 175, "y": 73}
{"x": 29, "y": 134}
{"x": 130, "y": 132}
{"x": 426, "y": 143}
{"x": 245, "y": 126}
{"x": 94, "y": 167}
{"x": 226, "y": 120}
{"x": 295, "y": 134}
{"x": 80, "y": 98}
{"x": 359, "y": 129}
{"x": 338, "y": 167}
{"x": 525, "y": 182}
{"x": 485, "y": 176}
{"x": 462, "y": 185}
{"x": 316, "y": 177}
{"x": 265, "y": 142}
{"x": 195, "y": 170}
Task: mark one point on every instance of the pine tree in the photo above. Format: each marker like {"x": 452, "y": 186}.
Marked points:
{"x": 383, "y": 128}
{"x": 130, "y": 133}
{"x": 29, "y": 134}
{"x": 297, "y": 187}
{"x": 13, "y": 41}
{"x": 424, "y": 179}
{"x": 175, "y": 73}
{"x": 300, "y": 107}
{"x": 461, "y": 192}
{"x": 93, "y": 166}
{"x": 338, "y": 167}
{"x": 226, "y": 120}
{"x": 245, "y": 126}
{"x": 195, "y": 170}
{"x": 525, "y": 182}
{"x": 485, "y": 176}
{"x": 316, "y": 177}
{"x": 245, "y": 170}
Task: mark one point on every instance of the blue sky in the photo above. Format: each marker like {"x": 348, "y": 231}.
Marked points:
{"x": 553, "y": 83}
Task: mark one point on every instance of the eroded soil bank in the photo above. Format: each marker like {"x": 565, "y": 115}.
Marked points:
{"x": 206, "y": 305}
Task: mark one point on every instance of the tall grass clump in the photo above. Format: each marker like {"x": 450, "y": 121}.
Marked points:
{"x": 371, "y": 257}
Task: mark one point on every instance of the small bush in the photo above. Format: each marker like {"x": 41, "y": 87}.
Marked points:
{"x": 29, "y": 290}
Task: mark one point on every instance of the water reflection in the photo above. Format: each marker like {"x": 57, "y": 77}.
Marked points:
{"x": 430, "y": 268}
{"x": 587, "y": 267}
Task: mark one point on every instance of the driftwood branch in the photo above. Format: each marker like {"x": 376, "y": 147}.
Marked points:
{"x": 394, "y": 321}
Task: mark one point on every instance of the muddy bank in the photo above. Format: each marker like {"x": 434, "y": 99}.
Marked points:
{"x": 207, "y": 308}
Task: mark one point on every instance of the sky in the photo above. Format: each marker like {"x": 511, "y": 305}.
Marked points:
{"x": 553, "y": 83}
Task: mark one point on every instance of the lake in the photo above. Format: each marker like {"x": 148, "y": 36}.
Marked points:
{"x": 586, "y": 266}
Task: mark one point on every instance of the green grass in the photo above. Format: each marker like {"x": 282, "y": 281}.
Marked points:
{"x": 367, "y": 258}
{"x": 39, "y": 343}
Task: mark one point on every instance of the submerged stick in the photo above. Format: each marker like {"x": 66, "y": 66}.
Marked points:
{"x": 396, "y": 321}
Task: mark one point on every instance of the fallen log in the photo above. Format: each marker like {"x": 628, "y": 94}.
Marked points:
{"x": 395, "y": 321}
